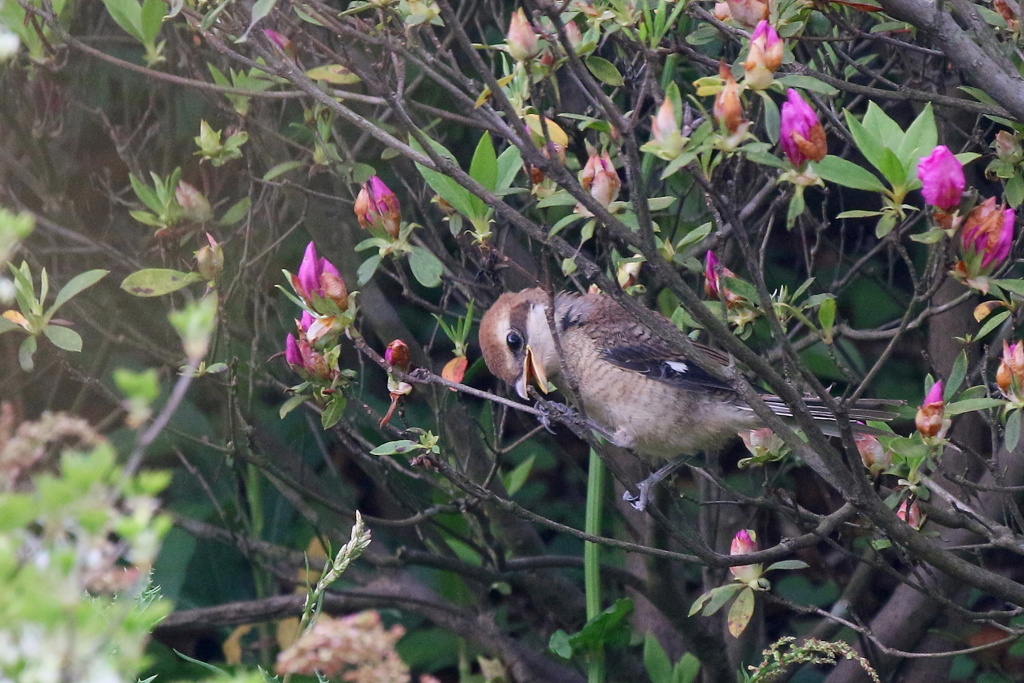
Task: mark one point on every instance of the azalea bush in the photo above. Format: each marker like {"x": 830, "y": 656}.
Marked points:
{"x": 270, "y": 231}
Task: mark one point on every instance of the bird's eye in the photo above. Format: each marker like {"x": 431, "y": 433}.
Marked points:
{"x": 514, "y": 341}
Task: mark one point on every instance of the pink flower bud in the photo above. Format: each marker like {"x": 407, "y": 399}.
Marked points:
{"x": 800, "y": 134}
{"x": 281, "y": 42}
{"x": 378, "y": 206}
{"x": 713, "y": 286}
{"x": 910, "y": 513}
{"x": 210, "y": 259}
{"x": 309, "y": 280}
{"x": 600, "y": 179}
{"x": 743, "y": 543}
{"x": 747, "y": 12}
{"x": 942, "y": 178}
{"x": 728, "y": 110}
{"x": 930, "y": 415}
{"x": 521, "y": 39}
{"x": 872, "y": 453}
{"x": 664, "y": 128}
{"x": 1010, "y": 375}
{"x": 764, "y": 57}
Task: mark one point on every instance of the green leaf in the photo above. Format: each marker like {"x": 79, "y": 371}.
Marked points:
{"x": 1011, "y": 435}
{"x": 366, "y": 269}
{"x": 610, "y": 627}
{"x": 26, "y": 351}
{"x": 740, "y": 612}
{"x": 956, "y": 377}
{"x": 771, "y": 117}
{"x": 510, "y": 162}
{"x": 847, "y": 174}
{"x": 260, "y": 9}
{"x": 992, "y": 323}
{"x": 694, "y": 236}
{"x": 604, "y": 71}
{"x": 892, "y": 168}
{"x": 1015, "y": 286}
{"x": 426, "y": 268}
{"x": 867, "y": 141}
{"x": 7, "y": 326}
{"x": 889, "y": 132}
{"x": 807, "y": 83}
{"x": 449, "y": 190}
{"x": 63, "y": 338}
{"x": 158, "y": 281}
{"x": 333, "y": 411}
{"x": 151, "y": 19}
{"x": 128, "y": 15}
{"x": 919, "y": 140}
{"x": 75, "y": 285}
{"x": 858, "y": 213}
{"x": 275, "y": 171}
{"x": 885, "y": 225}
{"x": 787, "y": 564}
{"x": 660, "y": 203}
{"x": 515, "y": 479}
{"x": 484, "y": 166}
{"x": 827, "y": 317}
{"x": 1014, "y": 191}
{"x": 930, "y": 237}
{"x": 659, "y": 668}
{"x": 686, "y": 669}
{"x": 559, "y": 644}
{"x": 972, "y": 404}
{"x": 290, "y": 405}
{"x": 394, "y": 447}
{"x": 718, "y": 597}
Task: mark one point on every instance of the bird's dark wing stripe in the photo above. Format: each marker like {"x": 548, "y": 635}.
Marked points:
{"x": 671, "y": 370}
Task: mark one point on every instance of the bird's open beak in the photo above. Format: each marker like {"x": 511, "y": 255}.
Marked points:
{"x": 532, "y": 370}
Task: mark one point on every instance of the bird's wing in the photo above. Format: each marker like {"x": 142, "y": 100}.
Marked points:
{"x": 658, "y": 363}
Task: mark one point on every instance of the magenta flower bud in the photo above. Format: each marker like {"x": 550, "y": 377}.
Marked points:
{"x": 280, "y": 41}
{"x": 998, "y": 252}
{"x": 931, "y": 414}
{"x": 711, "y": 275}
{"x": 942, "y": 178}
{"x": 800, "y": 134}
{"x": 291, "y": 351}
{"x": 306, "y": 320}
{"x": 309, "y": 273}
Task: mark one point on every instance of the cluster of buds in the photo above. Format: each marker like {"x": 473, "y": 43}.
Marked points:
{"x": 522, "y": 40}
{"x": 942, "y": 184}
{"x": 397, "y": 356}
{"x": 744, "y": 12}
{"x": 377, "y": 209}
{"x": 1010, "y": 375}
{"x": 210, "y": 259}
{"x": 931, "y": 420}
{"x": 985, "y": 242}
{"x": 728, "y": 111}
{"x": 764, "y": 57}
{"x": 874, "y": 456}
{"x": 600, "y": 179}
{"x": 667, "y": 140}
{"x": 800, "y": 133}
{"x": 327, "y": 313}
{"x": 744, "y": 543}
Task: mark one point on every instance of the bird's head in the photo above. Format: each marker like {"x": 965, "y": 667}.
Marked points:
{"x": 516, "y": 340}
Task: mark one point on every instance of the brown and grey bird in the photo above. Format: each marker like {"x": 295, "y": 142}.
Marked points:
{"x": 635, "y": 389}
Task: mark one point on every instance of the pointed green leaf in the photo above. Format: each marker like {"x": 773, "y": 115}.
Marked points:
{"x": 686, "y": 669}
{"x": 1012, "y": 433}
{"x": 426, "y": 268}
{"x": 74, "y": 286}
{"x": 510, "y": 162}
{"x": 515, "y": 479}
{"x": 484, "y": 166}
{"x": 63, "y": 338}
{"x": 787, "y": 564}
{"x": 919, "y": 141}
{"x": 394, "y": 447}
{"x": 827, "y": 317}
{"x": 604, "y": 71}
{"x": 847, "y": 174}
{"x": 659, "y": 668}
{"x": 973, "y": 404}
{"x": 151, "y": 19}
{"x": 956, "y": 377}
{"x": 740, "y": 612}
{"x": 128, "y": 15}
{"x": 889, "y": 132}
{"x": 459, "y": 197}
{"x": 333, "y": 411}
{"x": 867, "y": 140}
{"x": 366, "y": 270}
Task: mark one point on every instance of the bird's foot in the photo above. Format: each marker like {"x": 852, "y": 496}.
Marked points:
{"x": 639, "y": 502}
{"x": 552, "y": 412}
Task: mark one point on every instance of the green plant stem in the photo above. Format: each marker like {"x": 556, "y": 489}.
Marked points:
{"x": 592, "y": 558}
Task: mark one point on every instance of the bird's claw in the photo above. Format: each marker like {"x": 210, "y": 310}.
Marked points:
{"x": 552, "y": 412}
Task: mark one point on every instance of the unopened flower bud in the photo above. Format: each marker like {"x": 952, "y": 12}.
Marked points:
{"x": 1010, "y": 375}
{"x": 987, "y": 232}
{"x": 281, "y": 42}
{"x": 291, "y": 352}
{"x": 600, "y": 179}
{"x": 713, "y": 285}
{"x": 397, "y": 355}
{"x": 334, "y": 288}
{"x": 800, "y": 133}
{"x": 764, "y": 57}
{"x": 194, "y": 205}
{"x": 377, "y": 206}
{"x": 521, "y": 39}
{"x": 308, "y": 282}
{"x": 628, "y": 274}
{"x": 748, "y": 12}
{"x": 930, "y": 415}
{"x": 1007, "y": 147}
{"x": 910, "y": 513}
{"x": 728, "y": 110}
{"x": 1003, "y": 9}
{"x": 744, "y": 543}
{"x": 942, "y": 178}
{"x": 872, "y": 453}
{"x": 210, "y": 259}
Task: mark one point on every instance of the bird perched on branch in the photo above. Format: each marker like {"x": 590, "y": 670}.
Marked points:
{"x": 636, "y": 390}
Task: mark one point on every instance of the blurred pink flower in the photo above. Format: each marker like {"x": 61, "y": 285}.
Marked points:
{"x": 942, "y": 178}
{"x": 800, "y": 134}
